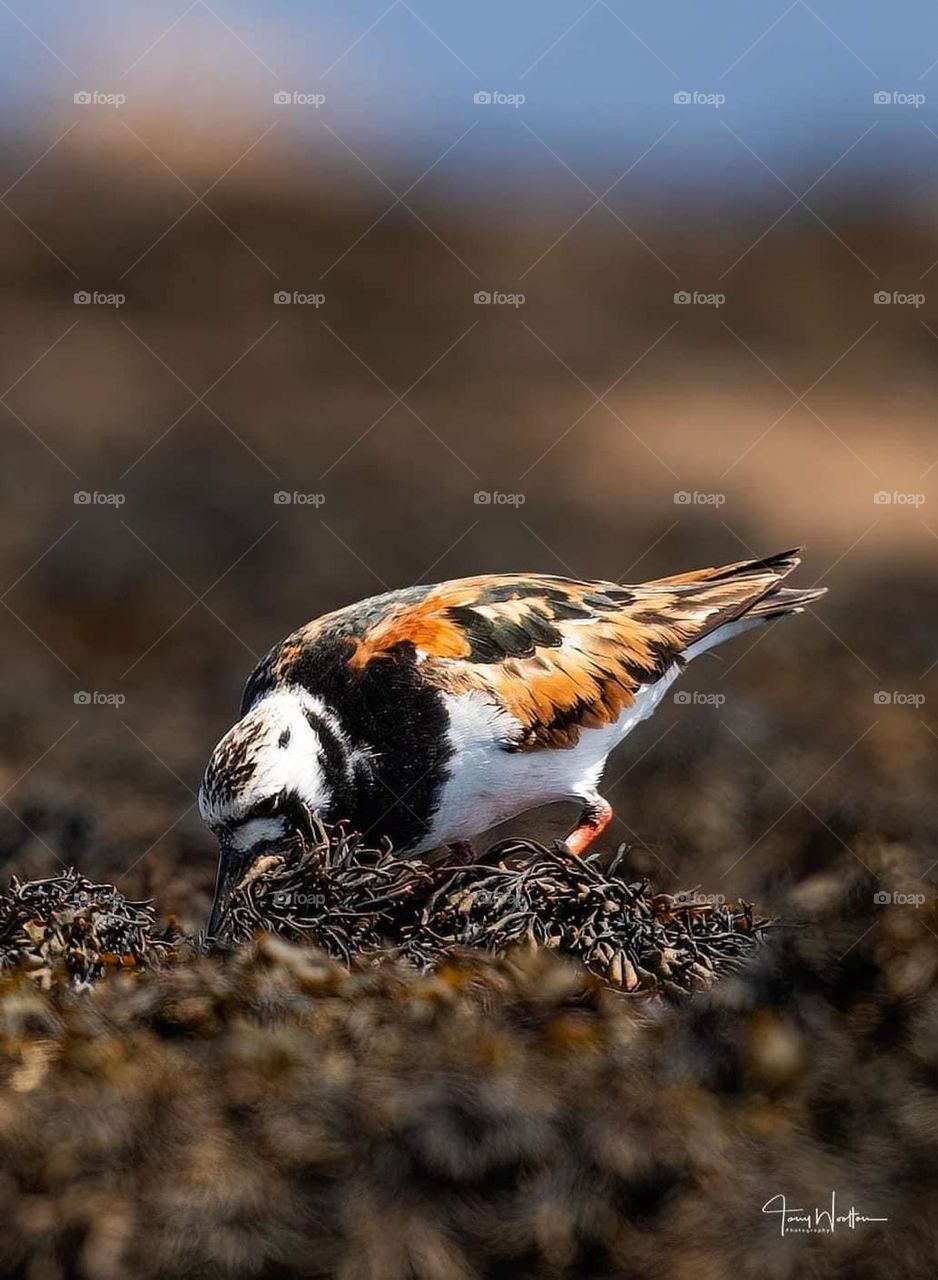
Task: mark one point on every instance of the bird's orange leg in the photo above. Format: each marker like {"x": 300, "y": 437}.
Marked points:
{"x": 594, "y": 820}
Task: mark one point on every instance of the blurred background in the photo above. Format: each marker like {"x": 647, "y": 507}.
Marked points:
{"x": 304, "y": 302}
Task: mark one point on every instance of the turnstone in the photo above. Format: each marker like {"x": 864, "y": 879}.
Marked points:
{"x": 431, "y": 714}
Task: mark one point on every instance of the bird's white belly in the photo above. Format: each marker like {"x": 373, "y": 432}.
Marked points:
{"x": 488, "y": 785}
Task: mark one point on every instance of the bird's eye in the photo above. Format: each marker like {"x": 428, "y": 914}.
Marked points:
{"x": 270, "y": 807}
{"x": 289, "y": 808}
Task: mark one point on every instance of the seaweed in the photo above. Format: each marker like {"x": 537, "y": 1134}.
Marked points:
{"x": 361, "y": 903}
{"x": 69, "y": 925}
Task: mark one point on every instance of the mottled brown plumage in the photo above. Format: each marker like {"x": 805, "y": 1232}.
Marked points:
{"x": 558, "y": 654}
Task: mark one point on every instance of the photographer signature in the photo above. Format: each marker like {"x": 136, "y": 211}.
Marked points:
{"x": 817, "y": 1221}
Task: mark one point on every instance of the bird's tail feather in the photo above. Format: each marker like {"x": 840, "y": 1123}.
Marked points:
{"x": 785, "y": 600}
{"x": 778, "y": 566}
{"x": 755, "y": 591}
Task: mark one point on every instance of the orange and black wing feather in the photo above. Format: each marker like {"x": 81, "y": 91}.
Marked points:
{"x": 559, "y": 655}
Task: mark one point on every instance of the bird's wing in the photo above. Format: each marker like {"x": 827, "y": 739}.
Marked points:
{"x": 560, "y": 655}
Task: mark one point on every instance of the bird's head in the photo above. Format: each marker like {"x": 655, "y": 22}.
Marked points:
{"x": 286, "y": 758}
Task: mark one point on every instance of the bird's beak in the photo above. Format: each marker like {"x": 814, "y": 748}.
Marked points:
{"x": 232, "y": 864}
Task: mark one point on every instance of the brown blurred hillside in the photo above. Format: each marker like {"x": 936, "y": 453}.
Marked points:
{"x": 697, "y": 399}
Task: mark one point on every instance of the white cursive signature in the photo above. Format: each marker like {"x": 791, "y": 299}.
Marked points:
{"x": 821, "y": 1221}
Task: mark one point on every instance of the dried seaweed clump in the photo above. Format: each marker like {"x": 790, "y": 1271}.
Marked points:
{"x": 357, "y": 902}
{"x": 70, "y": 925}
{"x": 624, "y": 932}
{"x": 332, "y": 891}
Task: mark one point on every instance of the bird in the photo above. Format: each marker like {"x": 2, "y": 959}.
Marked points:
{"x": 428, "y": 715}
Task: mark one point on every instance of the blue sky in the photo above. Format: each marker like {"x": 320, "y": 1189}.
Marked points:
{"x": 598, "y": 78}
